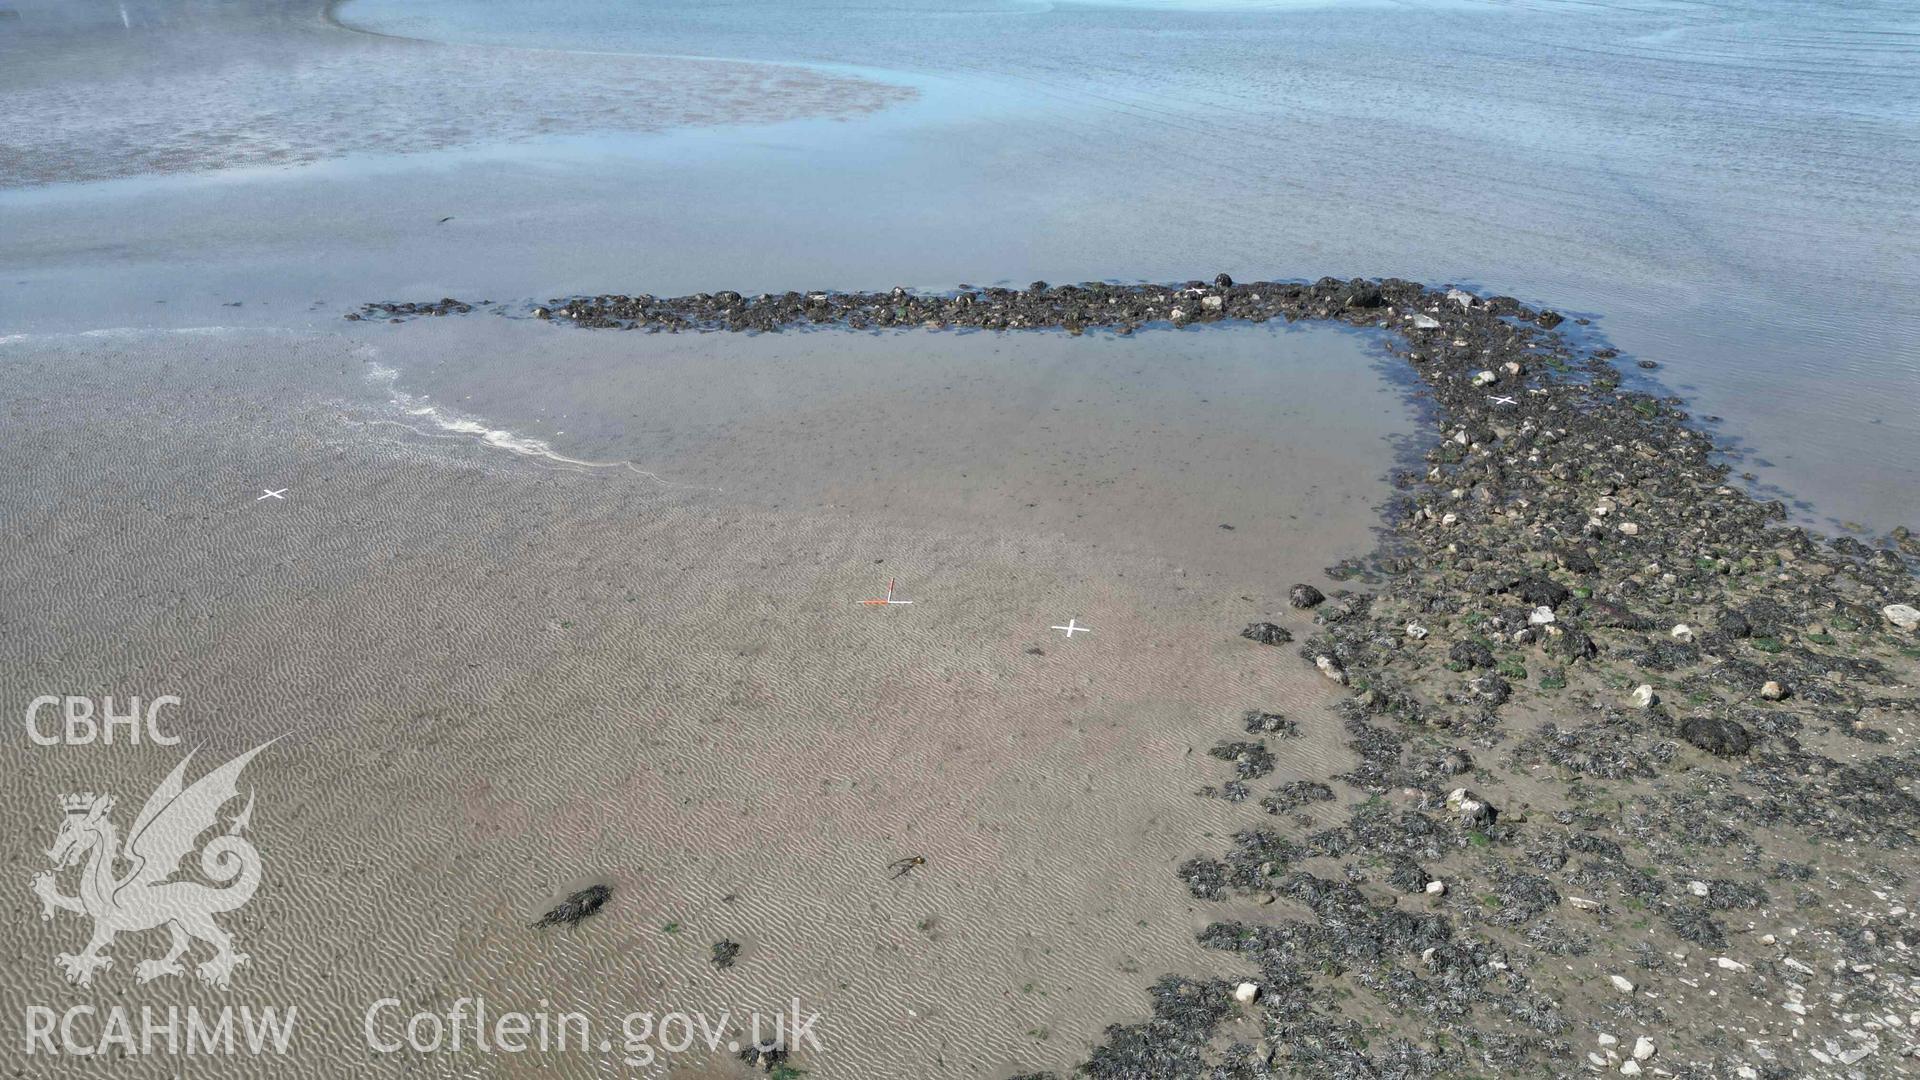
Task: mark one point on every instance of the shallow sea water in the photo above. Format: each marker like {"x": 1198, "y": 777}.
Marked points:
{"x": 1206, "y": 449}
{"x": 1732, "y": 188}
{"x": 1729, "y": 190}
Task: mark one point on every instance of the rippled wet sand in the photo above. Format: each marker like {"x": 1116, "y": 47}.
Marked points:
{"x": 500, "y": 675}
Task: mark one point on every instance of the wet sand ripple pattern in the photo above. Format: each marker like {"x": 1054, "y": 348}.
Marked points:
{"x": 501, "y": 679}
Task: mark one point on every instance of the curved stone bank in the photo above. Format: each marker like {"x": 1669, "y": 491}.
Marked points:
{"x": 1635, "y": 762}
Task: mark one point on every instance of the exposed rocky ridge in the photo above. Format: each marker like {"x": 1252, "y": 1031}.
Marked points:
{"x": 1637, "y": 777}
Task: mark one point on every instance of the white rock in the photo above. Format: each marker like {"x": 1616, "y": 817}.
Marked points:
{"x": 1621, "y": 984}
{"x": 1904, "y": 616}
{"x": 1628, "y": 528}
{"x": 1461, "y": 297}
{"x": 1416, "y": 631}
{"x": 1541, "y": 616}
{"x": 1436, "y": 888}
{"x": 1473, "y": 810}
{"x": 1698, "y": 888}
{"x": 1246, "y": 993}
{"x": 1449, "y": 519}
{"x": 1212, "y": 303}
{"x": 1773, "y": 691}
{"x": 1594, "y": 1058}
{"x": 1682, "y": 632}
{"x": 1630, "y": 1067}
{"x": 1729, "y": 964}
{"x": 1425, "y": 322}
{"x": 1606, "y": 1039}
{"x": 1583, "y": 903}
{"x": 1644, "y": 697}
{"x": 1511, "y": 368}
{"x": 1869, "y": 1045}
{"x": 1747, "y": 1072}
{"x": 1330, "y": 669}
{"x": 1768, "y": 939}
{"x": 1643, "y": 1049}
{"x": 1483, "y": 378}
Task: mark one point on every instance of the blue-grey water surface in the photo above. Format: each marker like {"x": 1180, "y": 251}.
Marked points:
{"x": 1728, "y": 189}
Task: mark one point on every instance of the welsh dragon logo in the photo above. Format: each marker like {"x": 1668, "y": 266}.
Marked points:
{"x": 144, "y": 898}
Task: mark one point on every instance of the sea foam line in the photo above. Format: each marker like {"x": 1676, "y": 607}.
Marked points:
{"x": 119, "y": 332}
{"x": 454, "y": 426}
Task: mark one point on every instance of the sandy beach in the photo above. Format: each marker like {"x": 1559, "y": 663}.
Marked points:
{"x": 495, "y": 676}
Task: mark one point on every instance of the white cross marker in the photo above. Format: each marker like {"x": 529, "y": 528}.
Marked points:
{"x": 268, "y": 494}
{"x": 1073, "y": 628}
{"x": 1502, "y": 400}
{"x": 888, "y": 599}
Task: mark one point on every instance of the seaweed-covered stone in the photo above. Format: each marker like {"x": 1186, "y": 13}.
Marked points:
{"x": 1661, "y": 654}
{"x": 1292, "y": 796}
{"x": 1716, "y": 735}
{"x": 1470, "y": 654}
{"x": 1691, "y": 923}
{"x": 1206, "y": 878}
{"x": 1522, "y": 897}
{"x": 1724, "y": 894}
{"x": 1258, "y": 722}
{"x": 1490, "y": 690}
{"x": 768, "y": 1054}
{"x": 1573, "y": 644}
{"x": 1267, "y": 633}
{"x": 1733, "y": 624}
{"x": 575, "y": 907}
{"x": 1172, "y": 1045}
{"x": 1250, "y": 760}
{"x": 1540, "y": 591}
{"x": 1606, "y": 613}
{"x": 1304, "y": 596}
{"x": 1578, "y": 561}
{"x": 725, "y": 952}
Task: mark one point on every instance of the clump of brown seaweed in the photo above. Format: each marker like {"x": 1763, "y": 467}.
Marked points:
{"x": 575, "y": 907}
